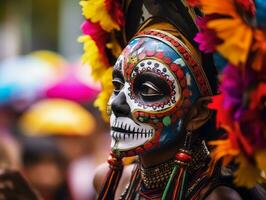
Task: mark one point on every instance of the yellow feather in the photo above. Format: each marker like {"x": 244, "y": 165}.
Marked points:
{"x": 103, "y": 98}
{"x": 246, "y": 175}
{"x": 93, "y": 57}
{"x": 95, "y": 10}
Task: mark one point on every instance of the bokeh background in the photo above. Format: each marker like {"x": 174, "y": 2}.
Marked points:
{"x": 49, "y": 129}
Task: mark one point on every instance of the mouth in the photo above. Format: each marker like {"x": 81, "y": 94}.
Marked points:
{"x": 132, "y": 130}
{"x": 126, "y": 130}
{"x": 118, "y": 133}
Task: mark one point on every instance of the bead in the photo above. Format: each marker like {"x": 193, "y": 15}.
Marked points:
{"x": 181, "y": 49}
{"x": 167, "y": 121}
{"x": 191, "y": 62}
{"x": 180, "y": 74}
{"x": 174, "y": 67}
{"x": 183, "y": 157}
{"x": 150, "y": 53}
{"x": 175, "y": 43}
{"x": 139, "y": 150}
{"x": 113, "y": 161}
{"x": 167, "y": 60}
{"x": 160, "y": 55}
{"x": 186, "y": 93}
{"x": 141, "y": 119}
{"x": 148, "y": 146}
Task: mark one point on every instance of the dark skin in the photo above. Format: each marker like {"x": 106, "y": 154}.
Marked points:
{"x": 197, "y": 117}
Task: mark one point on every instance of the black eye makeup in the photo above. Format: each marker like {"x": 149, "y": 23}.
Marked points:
{"x": 118, "y": 81}
{"x": 150, "y": 87}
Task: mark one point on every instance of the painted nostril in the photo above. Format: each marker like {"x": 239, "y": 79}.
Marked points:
{"x": 120, "y": 106}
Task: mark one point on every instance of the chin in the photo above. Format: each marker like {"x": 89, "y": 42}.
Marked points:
{"x": 127, "y": 135}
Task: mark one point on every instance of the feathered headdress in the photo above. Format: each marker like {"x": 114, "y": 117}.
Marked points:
{"x": 235, "y": 32}
{"x": 102, "y": 19}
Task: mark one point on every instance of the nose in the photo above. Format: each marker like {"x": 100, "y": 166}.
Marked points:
{"x": 120, "y": 106}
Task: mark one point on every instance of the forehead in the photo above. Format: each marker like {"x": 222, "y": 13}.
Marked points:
{"x": 141, "y": 48}
{"x": 148, "y": 53}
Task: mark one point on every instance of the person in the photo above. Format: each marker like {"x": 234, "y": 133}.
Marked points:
{"x": 42, "y": 157}
{"x": 159, "y": 112}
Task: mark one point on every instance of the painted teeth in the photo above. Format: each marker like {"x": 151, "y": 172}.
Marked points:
{"x": 125, "y": 136}
{"x": 132, "y": 129}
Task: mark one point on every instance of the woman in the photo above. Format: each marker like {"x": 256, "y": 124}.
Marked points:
{"x": 158, "y": 111}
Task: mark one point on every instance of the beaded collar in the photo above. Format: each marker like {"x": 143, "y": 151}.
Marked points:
{"x": 148, "y": 183}
{"x": 157, "y": 176}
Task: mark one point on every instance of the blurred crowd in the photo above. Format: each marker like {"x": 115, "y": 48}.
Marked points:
{"x": 49, "y": 129}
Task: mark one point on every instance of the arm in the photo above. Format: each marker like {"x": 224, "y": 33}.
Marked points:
{"x": 14, "y": 186}
{"x": 100, "y": 174}
{"x": 99, "y": 177}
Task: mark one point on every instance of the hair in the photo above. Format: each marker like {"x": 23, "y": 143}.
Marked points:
{"x": 36, "y": 150}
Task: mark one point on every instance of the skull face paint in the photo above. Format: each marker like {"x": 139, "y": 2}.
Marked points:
{"x": 153, "y": 89}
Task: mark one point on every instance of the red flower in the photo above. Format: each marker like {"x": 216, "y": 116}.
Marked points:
{"x": 253, "y": 119}
{"x": 100, "y": 37}
{"x": 115, "y": 11}
{"x": 193, "y": 3}
{"x": 247, "y": 5}
{"x": 206, "y": 38}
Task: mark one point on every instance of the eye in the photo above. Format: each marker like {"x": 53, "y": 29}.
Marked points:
{"x": 148, "y": 89}
{"x": 118, "y": 85}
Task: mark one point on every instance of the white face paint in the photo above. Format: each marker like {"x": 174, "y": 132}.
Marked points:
{"x": 126, "y": 134}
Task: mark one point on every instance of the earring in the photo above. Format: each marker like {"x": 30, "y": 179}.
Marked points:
{"x": 176, "y": 186}
{"x": 187, "y": 144}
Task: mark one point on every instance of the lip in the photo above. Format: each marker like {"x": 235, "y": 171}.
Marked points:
{"x": 134, "y": 131}
{"x": 121, "y": 135}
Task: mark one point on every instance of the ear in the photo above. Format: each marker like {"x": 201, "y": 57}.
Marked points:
{"x": 199, "y": 113}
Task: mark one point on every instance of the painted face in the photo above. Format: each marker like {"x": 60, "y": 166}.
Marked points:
{"x": 153, "y": 90}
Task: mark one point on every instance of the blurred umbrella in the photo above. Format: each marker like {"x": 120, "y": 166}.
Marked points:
{"x": 54, "y": 59}
{"x": 23, "y": 79}
{"x": 76, "y": 85}
{"x": 57, "y": 117}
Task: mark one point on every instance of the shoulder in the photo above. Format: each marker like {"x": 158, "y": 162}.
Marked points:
{"x": 100, "y": 175}
{"x": 125, "y": 179}
{"x": 223, "y": 193}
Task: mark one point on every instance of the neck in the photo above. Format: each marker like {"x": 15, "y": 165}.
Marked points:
{"x": 155, "y": 168}
{"x": 154, "y": 158}
{"x": 161, "y": 163}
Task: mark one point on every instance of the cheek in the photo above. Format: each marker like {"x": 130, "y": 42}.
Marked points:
{"x": 170, "y": 134}
{"x": 167, "y": 125}
{"x": 163, "y": 119}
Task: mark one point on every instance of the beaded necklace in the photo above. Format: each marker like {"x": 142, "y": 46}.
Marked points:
{"x": 149, "y": 183}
